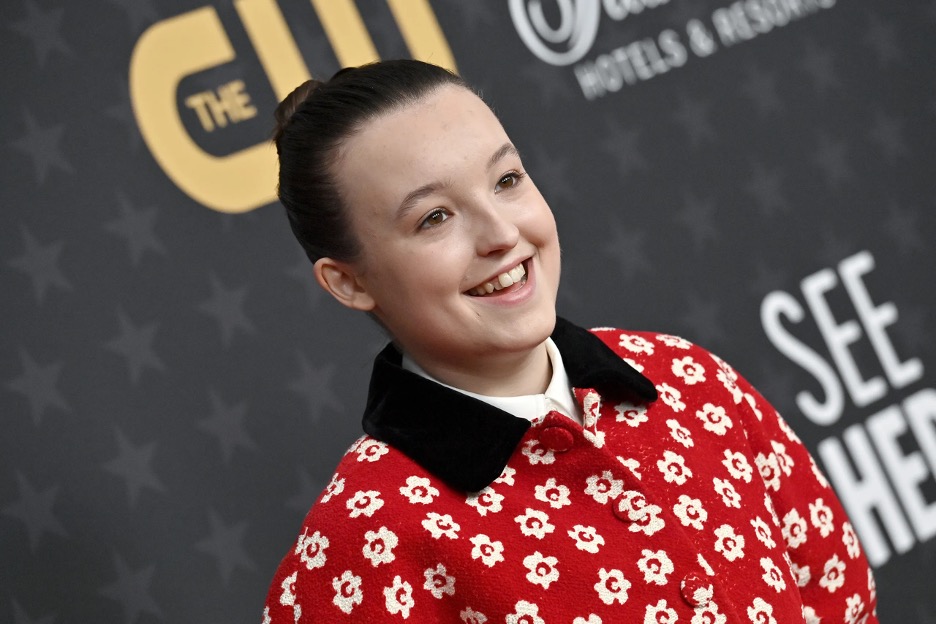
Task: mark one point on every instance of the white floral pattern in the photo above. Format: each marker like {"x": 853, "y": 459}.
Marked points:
{"x": 438, "y": 582}
{"x": 419, "y": 490}
{"x": 655, "y": 565}
{"x": 541, "y": 569}
{"x": 348, "y": 592}
{"x": 586, "y": 538}
{"x": 555, "y": 495}
{"x": 379, "y": 545}
{"x": 489, "y": 551}
{"x": 535, "y": 523}
{"x": 612, "y": 586}
{"x": 398, "y": 597}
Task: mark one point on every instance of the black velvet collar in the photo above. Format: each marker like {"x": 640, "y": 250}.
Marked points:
{"x": 464, "y": 441}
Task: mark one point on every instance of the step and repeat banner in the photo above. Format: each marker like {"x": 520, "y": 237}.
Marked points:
{"x": 757, "y": 176}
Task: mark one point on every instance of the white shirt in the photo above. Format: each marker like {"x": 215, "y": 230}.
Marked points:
{"x": 558, "y": 395}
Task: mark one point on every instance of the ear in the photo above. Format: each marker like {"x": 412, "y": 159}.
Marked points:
{"x": 343, "y": 283}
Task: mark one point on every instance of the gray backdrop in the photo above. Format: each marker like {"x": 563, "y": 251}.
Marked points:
{"x": 175, "y": 391}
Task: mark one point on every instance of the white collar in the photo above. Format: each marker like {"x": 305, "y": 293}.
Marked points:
{"x": 558, "y": 395}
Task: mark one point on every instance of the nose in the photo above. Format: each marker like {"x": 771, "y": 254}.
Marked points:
{"x": 495, "y": 230}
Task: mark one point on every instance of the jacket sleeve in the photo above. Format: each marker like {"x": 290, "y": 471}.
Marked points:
{"x": 832, "y": 573}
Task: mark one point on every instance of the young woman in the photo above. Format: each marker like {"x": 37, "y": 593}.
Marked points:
{"x": 518, "y": 468}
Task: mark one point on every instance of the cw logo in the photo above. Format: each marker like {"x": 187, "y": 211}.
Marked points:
{"x": 193, "y": 42}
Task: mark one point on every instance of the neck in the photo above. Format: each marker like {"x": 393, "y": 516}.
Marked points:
{"x": 511, "y": 374}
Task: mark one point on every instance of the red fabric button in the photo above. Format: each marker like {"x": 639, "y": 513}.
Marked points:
{"x": 696, "y": 591}
{"x": 556, "y": 439}
{"x": 630, "y": 506}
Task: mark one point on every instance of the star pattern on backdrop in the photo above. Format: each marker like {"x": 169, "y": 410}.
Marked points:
{"x": 131, "y": 590}
{"x": 692, "y": 114}
{"x": 698, "y": 216}
{"x": 43, "y": 29}
{"x": 766, "y": 187}
{"x": 819, "y": 65}
{"x": 121, "y": 111}
{"x": 139, "y": 13}
{"x": 41, "y": 263}
{"x": 43, "y": 146}
{"x": 621, "y": 144}
{"x": 831, "y": 156}
{"x": 33, "y": 509}
{"x": 225, "y": 544}
{"x": 760, "y": 86}
{"x": 625, "y": 246}
{"x": 39, "y": 385}
{"x": 133, "y": 464}
{"x": 136, "y": 228}
{"x": 314, "y": 385}
{"x": 887, "y": 133}
{"x": 135, "y": 344}
{"x": 226, "y": 306}
{"x": 226, "y": 424}
{"x": 881, "y": 37}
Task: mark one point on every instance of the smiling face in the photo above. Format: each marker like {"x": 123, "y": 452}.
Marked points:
{"x": 460, "y": 251}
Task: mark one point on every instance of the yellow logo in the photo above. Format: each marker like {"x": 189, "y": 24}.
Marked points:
{"x": 196, "y": 41}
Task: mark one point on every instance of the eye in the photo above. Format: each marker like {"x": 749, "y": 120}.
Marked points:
{"x": 434, "y": 218}
{"x": 508, "y": 181}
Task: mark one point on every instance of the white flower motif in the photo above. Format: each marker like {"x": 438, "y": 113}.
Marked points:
{"x": 854, "y": 608}
{"x": 872, "y": 585}
{"x": 738, "y": 466}
{"x": 507, "y": 476}
{"x": 690, "y": 512}
{"x": 714, "y": 418}
{"x": 636, "y": 344}
{"x": 592, "y": 619}
{"x": 288, "y": 597}
{"x": 809, "y": 615}
{"x": 556, "y": 495}
{"x": 525, "y": 613}
{"x": 784, "y": 461}
{"x": 597, "y": 438}
{"x": 752, "y": 403}
{"x": 821, "y": 478}
{"x": 728, "y": 494}
{"x": 419, "y": 490}
{"x": 486, "y": 500}
{"x": 794, "y": 529}
{"x": 347, "y": 591}
{"x": 631, "y": 464}
{"x": 635, "y": 365}
{"x": 655, "y": 565}
{"x": 470, "y": 616}
{"x": 659, "y": 613}
{"x": 821, "y": 517}
{"x": 708, "y": 615}
{"x": 769, "y": 470}
{"x": 604, "y": 487}
{"x": 371, "y": 450}
{"x": 439, "y": 582}
{"x": 632, "y": 414}
{"x": 729, "y": 544}
{"x": 311, "y": 549}
{"x": 266, "y": 616}
{"x": 729, "y": 378}
{"x": 674, "y": 468}
{"x": 542, "y": 570}
{"x": 591, "y": 406}
{"x": 439, "y": 525}
{"x": 334, "y": 488}
{"x": 399, "y": 597}
{"x": 833, "y": 574}
{"x": 536, "y": 453}
{"x": 586, "y": 538}
{"x": 850, "y": 540}
{"x": 364, "y": 503}
{"x": 534, "y": 523}
{"x": 761, "y": 612}
{"x": 688, "y": 370}
{"x": 762, "y": 532}
{"x": 671, "y": 396}
{"x": 612, "y": 586}
{"x": 705, "y": 565}
{"x": 488, "y": 551}
{"x": 785, "y": 428}
{"x": 801, "y": 574}
{"x": 772, "y": 574}
{"x": 379, "y": 545}
{"x": 673, "y": 341}
{"x": 769, "y": 506}
{"x": 644, "y": 518}
{"x": 679, "y": 433}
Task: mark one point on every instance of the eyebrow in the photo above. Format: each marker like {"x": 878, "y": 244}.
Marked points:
{"x": 413, "y": 197}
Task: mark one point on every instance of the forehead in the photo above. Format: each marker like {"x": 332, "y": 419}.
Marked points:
{"x": 446, "y": 135}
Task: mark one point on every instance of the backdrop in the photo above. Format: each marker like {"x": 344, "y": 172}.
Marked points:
{"x": 175, "y": 391}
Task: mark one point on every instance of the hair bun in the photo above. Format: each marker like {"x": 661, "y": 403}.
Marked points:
{"x": 287, "y": 108}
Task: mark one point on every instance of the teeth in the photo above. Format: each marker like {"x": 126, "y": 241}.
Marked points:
{"x": 500, "y": 282}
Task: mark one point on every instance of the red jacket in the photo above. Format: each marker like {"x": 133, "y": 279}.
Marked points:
{"x": 683, "y": 498}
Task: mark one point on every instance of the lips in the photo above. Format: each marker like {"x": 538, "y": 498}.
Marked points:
{"x": 516, "y": 275}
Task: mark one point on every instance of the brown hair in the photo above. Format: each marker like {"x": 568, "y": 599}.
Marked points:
{"x": 311, "y": 124}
